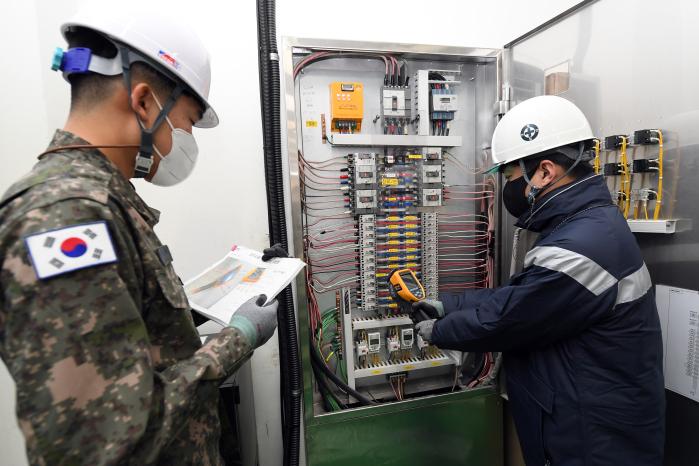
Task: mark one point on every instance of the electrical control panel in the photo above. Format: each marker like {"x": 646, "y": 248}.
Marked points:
{"x": 391, "y": 184}
{"x": 346, "y": 106}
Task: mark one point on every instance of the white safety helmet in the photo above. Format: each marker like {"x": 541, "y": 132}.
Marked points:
{"x": 163, "y": 42}
{"x": 537, "y": 125}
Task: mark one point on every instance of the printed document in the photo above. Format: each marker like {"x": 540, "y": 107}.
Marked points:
{"x": 221, "y": 289}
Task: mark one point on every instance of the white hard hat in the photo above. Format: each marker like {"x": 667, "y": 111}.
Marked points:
{"x": 168, "y": 45}
{"x": 537, "y": 125}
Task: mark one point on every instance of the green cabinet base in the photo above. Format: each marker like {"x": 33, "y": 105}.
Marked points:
{"x": 463, "y": 428}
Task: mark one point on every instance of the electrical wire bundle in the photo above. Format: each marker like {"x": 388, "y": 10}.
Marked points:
{"x": 331, "y": 254}
{"x": 465, "y": 240}
{"x": 397, "y": 383}
{"x": 466, "y": 251}
{"x": 329, "y": 348}
{"x": 395, "y": 74}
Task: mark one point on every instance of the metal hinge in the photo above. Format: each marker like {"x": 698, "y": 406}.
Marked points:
{"x": 503, "y": 105}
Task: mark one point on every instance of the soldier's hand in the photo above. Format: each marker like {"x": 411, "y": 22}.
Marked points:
{"x": 256, "y": 320}
{"x": 274, "y": 251}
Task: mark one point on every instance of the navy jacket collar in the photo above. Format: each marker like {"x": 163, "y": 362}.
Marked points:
{"x": 562, "y": 202}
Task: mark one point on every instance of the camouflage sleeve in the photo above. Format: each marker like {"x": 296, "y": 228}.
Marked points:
{"x": 77, "y": 347}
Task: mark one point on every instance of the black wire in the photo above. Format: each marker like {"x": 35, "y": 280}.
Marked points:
{"x": 364, "y": 401}
{"x": 323, "y": 385}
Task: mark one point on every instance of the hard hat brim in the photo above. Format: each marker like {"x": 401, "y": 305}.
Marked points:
{"x": 494, "y": 169}
{"x": 209, "y": 119}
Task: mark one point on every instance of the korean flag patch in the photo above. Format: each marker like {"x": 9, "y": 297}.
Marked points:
{"x": 71, "y": 248}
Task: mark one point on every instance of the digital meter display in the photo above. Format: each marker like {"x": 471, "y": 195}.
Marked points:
{"x": 412, "y": 284}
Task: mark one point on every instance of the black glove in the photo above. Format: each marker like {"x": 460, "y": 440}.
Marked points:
{"x": 274, "y": 251}
{"x": 427, "y": 309}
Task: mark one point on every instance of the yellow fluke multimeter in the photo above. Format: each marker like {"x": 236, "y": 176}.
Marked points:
{"x": 405, "y": 288}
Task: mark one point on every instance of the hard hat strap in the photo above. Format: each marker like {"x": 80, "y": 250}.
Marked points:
{"x": 534, "y": 190}
{"x": 144, "y": 158}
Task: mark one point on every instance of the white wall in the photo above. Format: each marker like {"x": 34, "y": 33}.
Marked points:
{"x": 224, "y": 201}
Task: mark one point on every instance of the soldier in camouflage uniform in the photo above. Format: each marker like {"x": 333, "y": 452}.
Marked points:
{"x": 108, "y": 363}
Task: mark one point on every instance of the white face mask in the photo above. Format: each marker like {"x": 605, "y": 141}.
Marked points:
{"x": 179, "y": 163}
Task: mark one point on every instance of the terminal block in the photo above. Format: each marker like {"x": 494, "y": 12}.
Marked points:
{"x": 645, "y": 165}
{"x": 646, "y": 137}
{"x": 613, "y": 169}
{"x": 430, "y": 274}
{"x": 367, "y": 261}
{"x": 614, "y": 142}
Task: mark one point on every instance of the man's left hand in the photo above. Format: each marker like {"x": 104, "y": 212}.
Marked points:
{"x": 274, "y": 251}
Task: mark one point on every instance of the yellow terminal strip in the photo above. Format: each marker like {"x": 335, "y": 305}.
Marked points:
{"x": 626, "y": 183}
{"x": 597, "y": 161}
{"x": 659, "y": 194}
{"x": 395, "y": 242}
{"x": 398, "y": 258}
{"x": 389, "y": 181}
{"x": 408, "y": 265}
{"x": 403, "y": 250}
{"x": 407, "y": 233}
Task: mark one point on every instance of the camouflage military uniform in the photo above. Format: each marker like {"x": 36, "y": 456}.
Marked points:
{"x": 108, "y": 364}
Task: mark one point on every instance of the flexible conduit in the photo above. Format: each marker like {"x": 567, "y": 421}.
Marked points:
{"x": 290, "y": 366}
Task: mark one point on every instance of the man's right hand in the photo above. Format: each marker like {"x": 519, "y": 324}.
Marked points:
{"x": 256, "y": 320}
{"x": 427, "y": 309}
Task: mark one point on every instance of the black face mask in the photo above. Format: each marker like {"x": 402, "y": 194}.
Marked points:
{"x": 513, "y": 197}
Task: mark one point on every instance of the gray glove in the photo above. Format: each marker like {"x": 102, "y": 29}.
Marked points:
{"x": 255, "y": 320}
{"x": 424, "y": 329}
{"x": 427, "y": 309}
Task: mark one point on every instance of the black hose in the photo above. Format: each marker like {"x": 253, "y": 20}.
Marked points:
{"x": 337, "y": 381}
{"x": 324, "y": 387}
{"x": 291, "y": 381}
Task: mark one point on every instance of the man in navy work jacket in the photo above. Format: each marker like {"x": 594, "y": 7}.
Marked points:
{"x": 578, "y": 326}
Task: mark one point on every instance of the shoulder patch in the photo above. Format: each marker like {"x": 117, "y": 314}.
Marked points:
{"x": 64, "y": 250}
